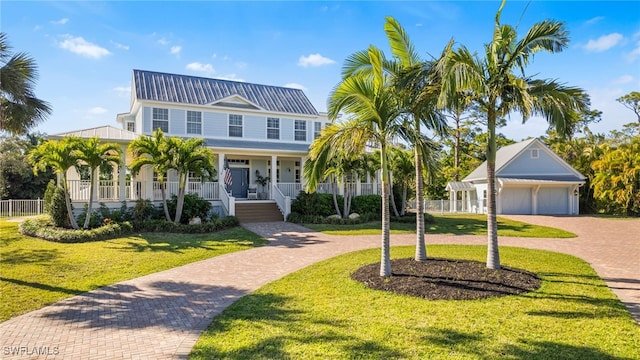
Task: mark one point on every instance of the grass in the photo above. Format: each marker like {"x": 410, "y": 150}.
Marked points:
{"x": 319, "y": 312}
{"x": 449, "y": 224}
{"x": 34, "y": 272}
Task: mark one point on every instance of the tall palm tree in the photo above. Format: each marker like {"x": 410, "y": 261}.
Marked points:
{"x": 153, "y": 151}
{"x": 60, "y": 156}
{"x": 189, "y": 156}
{"x": 419, "y": 106}
{"x": 500, "y": 86}
{"x": 374, "y": 115}
{"x": 20, "y": 110}
{"x": 94, "y": 155}
{"x": 404, "y": 171}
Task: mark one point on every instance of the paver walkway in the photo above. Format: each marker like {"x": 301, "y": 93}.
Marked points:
{"x": 160, "y": 316}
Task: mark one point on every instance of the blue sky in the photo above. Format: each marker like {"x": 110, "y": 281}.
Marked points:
{"x": 86, "y": 51}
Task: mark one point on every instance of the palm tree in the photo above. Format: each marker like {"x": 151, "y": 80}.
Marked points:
{"x": 94, "y": 155}
{"x": 404, "y": 171}
{"x": 153, "y": 151}
{"x": 374, "y": 118}
{"x": 499, "y": 86}
{"x": 20, "y": 110}
{"x": 189, "y": 156}
{"x": 418, "y": 103}
{"x": 60, "y": 156}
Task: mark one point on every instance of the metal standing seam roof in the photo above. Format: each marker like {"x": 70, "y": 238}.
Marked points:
{"x": 174, "y": 88}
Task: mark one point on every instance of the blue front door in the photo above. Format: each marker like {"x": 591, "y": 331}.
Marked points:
{"x": 240, "y": 184}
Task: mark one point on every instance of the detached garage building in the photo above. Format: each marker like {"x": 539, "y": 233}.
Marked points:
{"x": 530, "y": 179}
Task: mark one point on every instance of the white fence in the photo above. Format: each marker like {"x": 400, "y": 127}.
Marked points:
{"x": 468, "y": 206}
{"x": 17, "y": 208}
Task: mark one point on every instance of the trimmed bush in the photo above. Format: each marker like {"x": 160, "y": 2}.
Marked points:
{"x": 315, "y": 204}
{"x": 55, "y": 205}
{"x": 363, "y": 204}
{"x": 193, "y": 206}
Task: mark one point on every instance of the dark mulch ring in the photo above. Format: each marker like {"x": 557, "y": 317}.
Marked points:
{"x": 446, "y": 279}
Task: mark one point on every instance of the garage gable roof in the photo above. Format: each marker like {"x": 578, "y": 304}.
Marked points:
{"x": 508, "y": 154}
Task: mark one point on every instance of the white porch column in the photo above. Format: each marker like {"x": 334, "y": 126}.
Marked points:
{"x": 122, "y": 176}
{"x": 274, "y": 173}
{"x": 455, "y": 201}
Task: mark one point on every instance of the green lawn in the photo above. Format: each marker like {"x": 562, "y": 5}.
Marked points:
{"x": 34, "y": 272}
{"x": 319, "y": 312}
{"x": 449, "y": 224}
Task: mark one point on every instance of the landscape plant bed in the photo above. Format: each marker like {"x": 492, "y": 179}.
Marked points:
{"x": 447, "y": 279}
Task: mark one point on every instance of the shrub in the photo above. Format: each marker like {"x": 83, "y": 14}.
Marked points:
{"x": 96, "y": 217}
{"x": 142, "y": 210}
{"x": 367, "y": 204}
{"x": 314, "y": 204}
{"x": 193, "y": 206}
{"x": 43, "y": 227}
{"x": 55, "y": 205}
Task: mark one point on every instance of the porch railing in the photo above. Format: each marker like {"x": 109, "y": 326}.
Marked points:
{"x": 459, "y": 206}
{"x": 16, "y": 208}
{"x": 109, "y": 190}
{"x": 228, "y": 201}
{"x": 290, "y": 189}
{"x": 283, "y": 201}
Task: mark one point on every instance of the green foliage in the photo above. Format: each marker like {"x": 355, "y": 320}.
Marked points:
{"x": 55, "y": 206}
{"x": 367, "y": 204}
{"x": 143, "y": 210}
{"x": 42, "y": 227}
{"x": 193, "y": 206}
{"x": 17, "y": 180}
{"x": 333, "y": 220}
{"x": 314, "y": 204}
{"x": 172, "y": 227}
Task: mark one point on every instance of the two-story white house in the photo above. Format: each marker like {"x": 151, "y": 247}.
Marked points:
{"x": 255, "y": 130}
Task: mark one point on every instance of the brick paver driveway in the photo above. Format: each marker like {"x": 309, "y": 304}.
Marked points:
{"x": 160, "y": 316}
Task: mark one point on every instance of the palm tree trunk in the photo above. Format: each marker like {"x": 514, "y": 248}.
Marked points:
{"x": 182, "y": 179}
{"x": 421, "y": 249}
{"x": 456, "y": 150}
{"x": 335, "y": 196}
{"x": 404, "y": 200}
{"x": 92, "y": 179}
{"x": 163, "y": 191}
{"x": 493, "y": 253}
{"x": 393, "y": 198}
{"x": 67, "y": 200}
{"x": 385, "y": 256}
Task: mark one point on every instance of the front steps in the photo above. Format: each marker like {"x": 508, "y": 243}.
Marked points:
{"x": 258, "y": 211}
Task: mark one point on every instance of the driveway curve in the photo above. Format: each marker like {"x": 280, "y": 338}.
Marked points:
{"x": 161, "y": 315}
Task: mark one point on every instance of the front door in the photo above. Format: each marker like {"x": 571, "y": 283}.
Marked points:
{"x": 240, "y": 184}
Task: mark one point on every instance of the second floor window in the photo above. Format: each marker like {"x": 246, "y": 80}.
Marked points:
{"x": 317, "y": 127}
{"x": 300, "y": 130}
{"x": 235, "y": 125}
{"x": 131, "y": 126}
{"x": 194, "y": 122}
{"x": 160, "y": 119}
{"x": 273, "y": 128}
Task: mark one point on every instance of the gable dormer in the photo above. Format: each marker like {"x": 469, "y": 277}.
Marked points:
{"x": 236, "y": 102}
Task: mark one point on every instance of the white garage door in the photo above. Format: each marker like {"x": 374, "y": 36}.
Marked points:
{"x": 553, "y": 201}
{"x": 516, "y": 200}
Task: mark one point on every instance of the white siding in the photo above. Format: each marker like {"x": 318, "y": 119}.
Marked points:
{"x": 524, "y": 165}
{"x": 516, "y": 200}
{"x": 146, "y": 120}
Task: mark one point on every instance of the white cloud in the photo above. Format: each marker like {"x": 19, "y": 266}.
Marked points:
{"x": 594, "y": 20}
{"x": 604, "y": 42}
{"x": 80, "y": 46}
{"x": 163, "y": 42}
{"x": 175, "y": 50}
{"x": 624, "y": 79}
{"x": 122, "y": 90}
{"x": 314, "y": 60}
{"x": 37, "y": 28}
{"x": 206, "y": 69}
{"x": 60, "y": 22}
{"x": 295, "y": 86}
{"x": 97, "y": 110}
{"x": 634, "y": 54}
{"x": 119, "y": 46}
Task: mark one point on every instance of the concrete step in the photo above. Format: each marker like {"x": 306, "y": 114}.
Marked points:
{"x": 258, "y": 211}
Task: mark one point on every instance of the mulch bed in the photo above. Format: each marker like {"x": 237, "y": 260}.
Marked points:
{"x": 446, "y": 279}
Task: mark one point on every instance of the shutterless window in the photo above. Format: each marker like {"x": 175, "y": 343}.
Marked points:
{"x": 534, "y": 153}
{"x": 194, "y": 122}
{"x": 161, "y": 119}
{"x": 131, "y": 126}
{"x": 273, "y": 128}
{"x": 235, "y": 125}
{"x": 317, "y": 127}
{"x": 300, "y": 133}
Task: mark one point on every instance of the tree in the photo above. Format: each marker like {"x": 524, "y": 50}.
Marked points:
{"x": 189, "y": 156}
{"x": 20, "y": 110}
{"x": 94, "y": 155}
{"x": 60, "y": 156}
{"x": 17, "y": 180}
{"x": 500, "y": 87}
{"x": 153, "y": 151}
{"x": 403, "y": 168}
{"x": 374, "y": 118}
{"x": 631, "y": 101}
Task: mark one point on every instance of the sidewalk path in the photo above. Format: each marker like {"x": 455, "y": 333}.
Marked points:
{"x": 160, "y": 316}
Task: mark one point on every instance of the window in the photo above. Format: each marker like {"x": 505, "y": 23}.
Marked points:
{"x": 161, "y": 119}
{"x": 300, "y": 133}
{"x": 194, "y": 122}
{"x": 235, "y": 125}
{"x": 534, "y": 153}
{"x": 273, "y": 128}
{"x": 297, "y": 172}
{"x": 131, "y": 126}
{"x": 317, "y": 127}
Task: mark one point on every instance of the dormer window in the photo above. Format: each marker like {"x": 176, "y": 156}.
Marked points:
{"x": 534, "y": 153}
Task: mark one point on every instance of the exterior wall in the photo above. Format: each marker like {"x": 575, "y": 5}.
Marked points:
{"x": 177, "y": 122}
{"x": 524, "y": 165}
